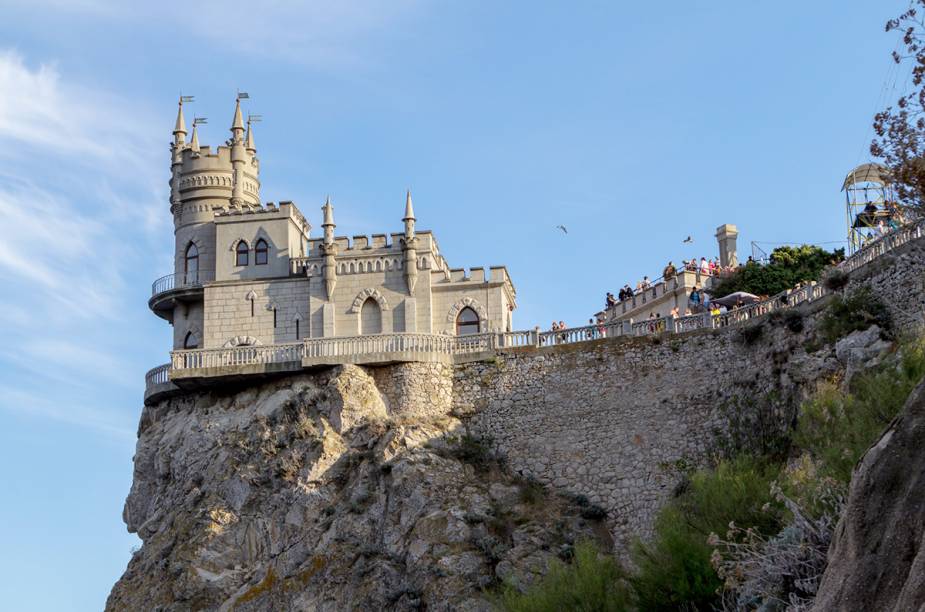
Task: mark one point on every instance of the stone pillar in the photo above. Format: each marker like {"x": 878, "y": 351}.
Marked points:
{"x": 726, "y": 237}
{"x": 327, "y": 320}
{"x": 411, "y": 315}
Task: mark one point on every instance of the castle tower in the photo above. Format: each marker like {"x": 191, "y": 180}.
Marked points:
{"x": 238, "y": 156}
{"x": 409, "y": 246}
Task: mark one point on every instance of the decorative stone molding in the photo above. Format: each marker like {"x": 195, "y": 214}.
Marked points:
{"x": 250, "y": 295}
{"x": 367, "y": 293}
{"x": 469, "y": 302}
{"x": 241, "y": 341}
{"x": 234, "y": 244}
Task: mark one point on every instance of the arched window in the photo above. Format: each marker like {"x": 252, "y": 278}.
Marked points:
{"x": 370, "y": 317}
{"x": 261, "y": 253}
{"x": 191, "y": 341}
{"x": 191, "y": 261}
{"x": 467, "y": 322}
{"x": 240, "y": 254}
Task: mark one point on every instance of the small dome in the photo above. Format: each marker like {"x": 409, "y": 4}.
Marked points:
{"x": 867, "y": 173}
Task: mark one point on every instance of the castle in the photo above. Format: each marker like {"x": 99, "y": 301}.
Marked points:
{"x": 247, "y": 273}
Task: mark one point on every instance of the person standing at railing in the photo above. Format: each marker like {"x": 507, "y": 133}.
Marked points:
{"x": 704, "y": 266}
{"x": 669, "y": 272}
{"x": 563, "y": 337}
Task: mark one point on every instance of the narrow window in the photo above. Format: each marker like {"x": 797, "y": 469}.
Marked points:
{"x": 191, "y": 263}
{"x": 252, "y": 307}
{"x": 467, "y": 322}
{"x": 191, "y": 341}
{"x": 296, "y": 329}
{"x": 261, "y": 253}
{"x": 240, "y": 257}
{"x": 274, "y": 318}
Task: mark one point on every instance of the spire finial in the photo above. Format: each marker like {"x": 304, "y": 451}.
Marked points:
{"x": 194, "y": 140}
{"x": 179, "y": 128}
{"x": 237, "y": 124}
{"x": 409, "y": 207}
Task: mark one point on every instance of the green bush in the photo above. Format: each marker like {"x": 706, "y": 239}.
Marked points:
{"x": 836, "y": 428}
{"x": 855, "y": 312}
{"x": 788, "y": 266}
{"x": 674, "y": 568}
{"x": 592, "y": 582}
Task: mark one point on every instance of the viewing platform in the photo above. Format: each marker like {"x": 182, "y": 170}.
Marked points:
{"x": 168, "y": 291}
{"x": 197, "y": 367}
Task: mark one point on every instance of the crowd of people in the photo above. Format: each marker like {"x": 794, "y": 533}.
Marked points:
{"x": 706, "y": 267}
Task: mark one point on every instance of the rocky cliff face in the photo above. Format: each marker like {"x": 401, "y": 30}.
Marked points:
{"x": 877, "y": 561}
{"x": 315, "y": 493}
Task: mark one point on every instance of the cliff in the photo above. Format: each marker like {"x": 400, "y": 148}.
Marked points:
{"x": 876, "y": 561}
{"x": 320, "y": 492}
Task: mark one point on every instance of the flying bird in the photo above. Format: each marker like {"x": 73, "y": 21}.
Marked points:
{"x": 562, "y": 227}
{"x": 688, "y": 240}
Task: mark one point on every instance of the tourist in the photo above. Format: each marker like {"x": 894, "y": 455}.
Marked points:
{"x": 704, "y": 266}
{"x": 695, "y": 298}
{"x": 645, "y": 284}
{"x": 669, "y": 272}
{"x": 675, "y": 312}
{"x": 562, "y": 327}
{"x": 592, "y": 330}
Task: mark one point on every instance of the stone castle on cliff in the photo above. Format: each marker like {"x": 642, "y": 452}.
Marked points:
{"x": 247, "y": 272}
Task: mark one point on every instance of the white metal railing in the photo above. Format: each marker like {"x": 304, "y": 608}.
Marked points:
{"x": 184, "y": 280}
{"x": 428, "y": 347}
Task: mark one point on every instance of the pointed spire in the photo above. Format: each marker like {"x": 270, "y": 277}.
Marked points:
{"x": 179, "y": 129}
{"x": 409, "y": 208}
{"x": 249, "y": 139}
{"x": 328, "y": 213}
{"x": 238, "y": 121}
{"x": 194, "y": 140}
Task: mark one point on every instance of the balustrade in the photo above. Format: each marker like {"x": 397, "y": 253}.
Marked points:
{"x": 184, "y": 280}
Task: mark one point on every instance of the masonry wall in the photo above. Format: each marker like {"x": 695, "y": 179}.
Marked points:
{"x": 613, "y": 419}
{"x": 228, "y": 311}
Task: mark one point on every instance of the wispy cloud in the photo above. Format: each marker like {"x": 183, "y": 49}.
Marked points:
{"x": 79, "y": 198}
{"x": 320, "y": 35}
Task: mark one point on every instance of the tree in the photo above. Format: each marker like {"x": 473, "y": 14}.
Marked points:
{"x": 900, "y": 129}
{"x": 788, "y": 266}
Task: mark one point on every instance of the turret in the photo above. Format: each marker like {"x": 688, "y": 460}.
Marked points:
{"x": 409, "y": 246}
{"x": 249, "y": 139}
{"x": 176, "y": 153}
{"x": 329, "y": 249}
{"x": 238, "y": 155}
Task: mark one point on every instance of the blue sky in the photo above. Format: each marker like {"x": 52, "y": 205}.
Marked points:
{"x": 632, "y": 126}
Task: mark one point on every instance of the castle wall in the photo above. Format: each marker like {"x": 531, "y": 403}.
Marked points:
{"x": 188, "y": 318}
{"x": 203, "y": 235}
{"x": 228, "y": 311}
{"x": 274, "y": 227}
{"x": 612, "y": 419}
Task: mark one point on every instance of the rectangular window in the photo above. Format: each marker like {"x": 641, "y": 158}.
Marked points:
{"x": 274, "y": 318}
{"x": 296, "y": 329}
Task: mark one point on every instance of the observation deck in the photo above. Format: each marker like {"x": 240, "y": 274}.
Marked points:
{"x": 170, "y": 290}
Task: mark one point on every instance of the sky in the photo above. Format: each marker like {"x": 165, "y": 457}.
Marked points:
{"x": 632, "y": 126}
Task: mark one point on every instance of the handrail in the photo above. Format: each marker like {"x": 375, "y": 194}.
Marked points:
{"x": 431, "y": 347}
{"x": 183, "y": 280}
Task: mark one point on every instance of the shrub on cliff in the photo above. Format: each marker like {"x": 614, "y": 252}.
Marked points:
{"x": 675, "y": 569}
{"x": 592, "y": 581}
{"x": 837, "y": 427}
{"x": 854, "y": 312}
{"x": 788, "y": 266}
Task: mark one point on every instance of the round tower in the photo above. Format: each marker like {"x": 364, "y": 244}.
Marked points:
{"x": 204, "y": 182}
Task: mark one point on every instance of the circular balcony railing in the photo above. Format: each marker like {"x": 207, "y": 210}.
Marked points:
{"x": 186, "y": 280}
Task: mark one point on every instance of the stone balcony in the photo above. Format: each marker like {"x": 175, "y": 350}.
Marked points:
{"x": 170, "y": 290}
{"x": 660, "y": 298}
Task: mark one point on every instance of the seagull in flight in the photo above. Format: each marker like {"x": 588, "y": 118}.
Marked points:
{"x": 562, "y": 227}
{"x": 688, "y": 240}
